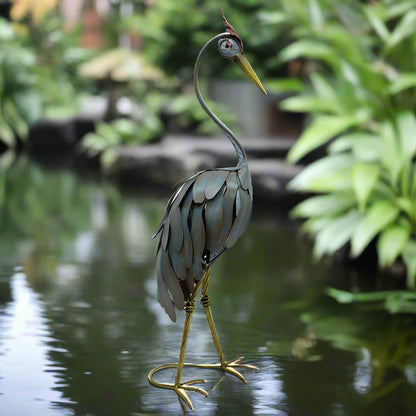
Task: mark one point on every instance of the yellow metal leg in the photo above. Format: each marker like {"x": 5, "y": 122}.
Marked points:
{"x": 181, "y": 387}
{"x": 178, "y": 386}
{"x": 229, "y": 367}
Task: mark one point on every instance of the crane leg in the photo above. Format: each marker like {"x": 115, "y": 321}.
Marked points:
{"x": 181, "y": 388}
{"x": 230, "y": 366}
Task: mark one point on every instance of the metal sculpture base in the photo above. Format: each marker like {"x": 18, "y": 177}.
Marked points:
{"x": 180, "y": 387}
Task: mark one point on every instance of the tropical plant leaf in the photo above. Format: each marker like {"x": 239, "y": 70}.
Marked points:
{"x": 108, "y": 133}
{"x": 273, "y": 18}
{"x": 364, "y": 146}
{"x": 378, "y": 216}
{"x": 341, "y": 39}
{"x": 322, "y": 129}
{"x": 407, "y": 206}
{"x": 396, "y": 301}
{"x": 409, "y": 257}
{"x": 412, "y": 175}
{"x": 16, "y": 121}
{"x": 29, "y": 104}
{"x": 405, "y": 28}
{"x": 108, "y": 157}
{"x": 406, "y": 126}
{"x": 277, "y": 86}
{"x": 390, "y": 152}
{"x": 315, "y": 224}
{"x": 310, "y": 103}
{"x": 402, "y": 82}
{"x": 336, "y": 234}
{"x": 6, "y": 133}
{"x": 377, "y": 23}
{"x": 324, "y": 89}
{"x": 314, "y": 49}
{"x": 94, "y": 144}
{"x": 391, "y": 243}
{"x": 327, "y": 174}
{"x": 6, "y": 160}
{"x": 364, "y": 177}
{"x": 396, "y": 9}
{"x": 333, "y": 204}
{"x": 316, "y": 14}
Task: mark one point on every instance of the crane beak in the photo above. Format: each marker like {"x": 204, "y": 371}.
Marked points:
{"x": 241, "y": 60}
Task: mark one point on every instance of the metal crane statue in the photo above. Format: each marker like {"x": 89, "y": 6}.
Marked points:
{"x": 204, "y": 217}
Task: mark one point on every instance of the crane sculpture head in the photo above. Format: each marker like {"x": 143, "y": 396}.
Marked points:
{"x": 204, "y": 217}
{"x": 230, "y": 46}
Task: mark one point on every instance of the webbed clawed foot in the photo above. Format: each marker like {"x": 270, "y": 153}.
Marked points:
{"x": 180, "y": 388}
{"x": 230, "y": 367}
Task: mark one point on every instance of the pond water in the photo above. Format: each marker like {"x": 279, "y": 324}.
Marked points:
{"x": 80, "y": 325}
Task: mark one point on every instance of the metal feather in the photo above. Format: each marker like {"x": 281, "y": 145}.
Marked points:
{"x": 243, "y": 213}
{"x": 244, "y": 176}
{"x": 199, "y": 187}
{"x": 165, "y": 234}
{"x": 175, "y": 199}
{"x": 176, "y": 230}
{"x": 228, "y": 203}
{"x": 177, "y": 260}
{"x": 215, "y": 182}
{"x": 171, "y": 281}
{"x": 183, "y": 190}
{"x": 187, "y": 284}
{"x": 198, "y": 241}
{"x": 187, "y": 249}
{"x": 164, "y": 298}
{"x": 213, "y": 221}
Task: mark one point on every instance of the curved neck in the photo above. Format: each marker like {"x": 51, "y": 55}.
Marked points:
{"x": 237, "y": 146}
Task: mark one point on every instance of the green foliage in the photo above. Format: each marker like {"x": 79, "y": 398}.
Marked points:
{"x": 58, "y": 57}
{"x": 366, "y": 68}
{"x": 365, "y": 194}
{"x": 359, "y": 62}
{"x": 37, "y": 75}
{"x": 120, "y": 132}
{"x": 173, "y": 33}
{"x": 19, "y": 103}
{"x": 184, "y": 114}
{"x": 398, "y": 301}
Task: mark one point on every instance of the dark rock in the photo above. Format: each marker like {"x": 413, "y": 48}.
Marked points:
{"x": 174, "y": 159}
{"x": 270, "y": 178}
{"x": 52, "y": 136}
{"x": 159, "y": 165}
{"x": 83, "y": 126}
{"x": 223, "y": 151}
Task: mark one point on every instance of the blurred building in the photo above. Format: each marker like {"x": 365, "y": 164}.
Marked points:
{"x": 92, "y": 13}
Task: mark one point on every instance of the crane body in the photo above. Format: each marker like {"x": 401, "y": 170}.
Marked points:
{"x": 204, "y": 217}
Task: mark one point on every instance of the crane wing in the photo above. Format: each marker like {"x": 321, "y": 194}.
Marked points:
{"x": 205, "y": 216}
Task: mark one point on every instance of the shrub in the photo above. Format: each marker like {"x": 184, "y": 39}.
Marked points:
{"x": 358, "y": 60}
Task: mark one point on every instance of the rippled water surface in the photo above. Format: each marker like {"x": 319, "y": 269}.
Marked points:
{"x": 80, "y": 326}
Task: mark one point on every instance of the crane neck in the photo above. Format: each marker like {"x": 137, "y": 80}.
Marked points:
{"x": 242, "y": 158}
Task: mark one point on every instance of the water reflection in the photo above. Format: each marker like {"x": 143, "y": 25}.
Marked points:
{"x": 81, "y": 327}
{"x": 26, "y": 382}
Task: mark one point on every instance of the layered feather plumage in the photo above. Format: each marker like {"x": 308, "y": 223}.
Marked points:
{"x": 205, "y": 216}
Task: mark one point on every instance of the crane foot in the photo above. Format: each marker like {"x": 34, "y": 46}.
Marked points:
{"x": 180, "y": 388}
{"x": 230, "y": 367}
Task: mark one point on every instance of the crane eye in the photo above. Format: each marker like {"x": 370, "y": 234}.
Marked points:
{"x": 229, "y": 47}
